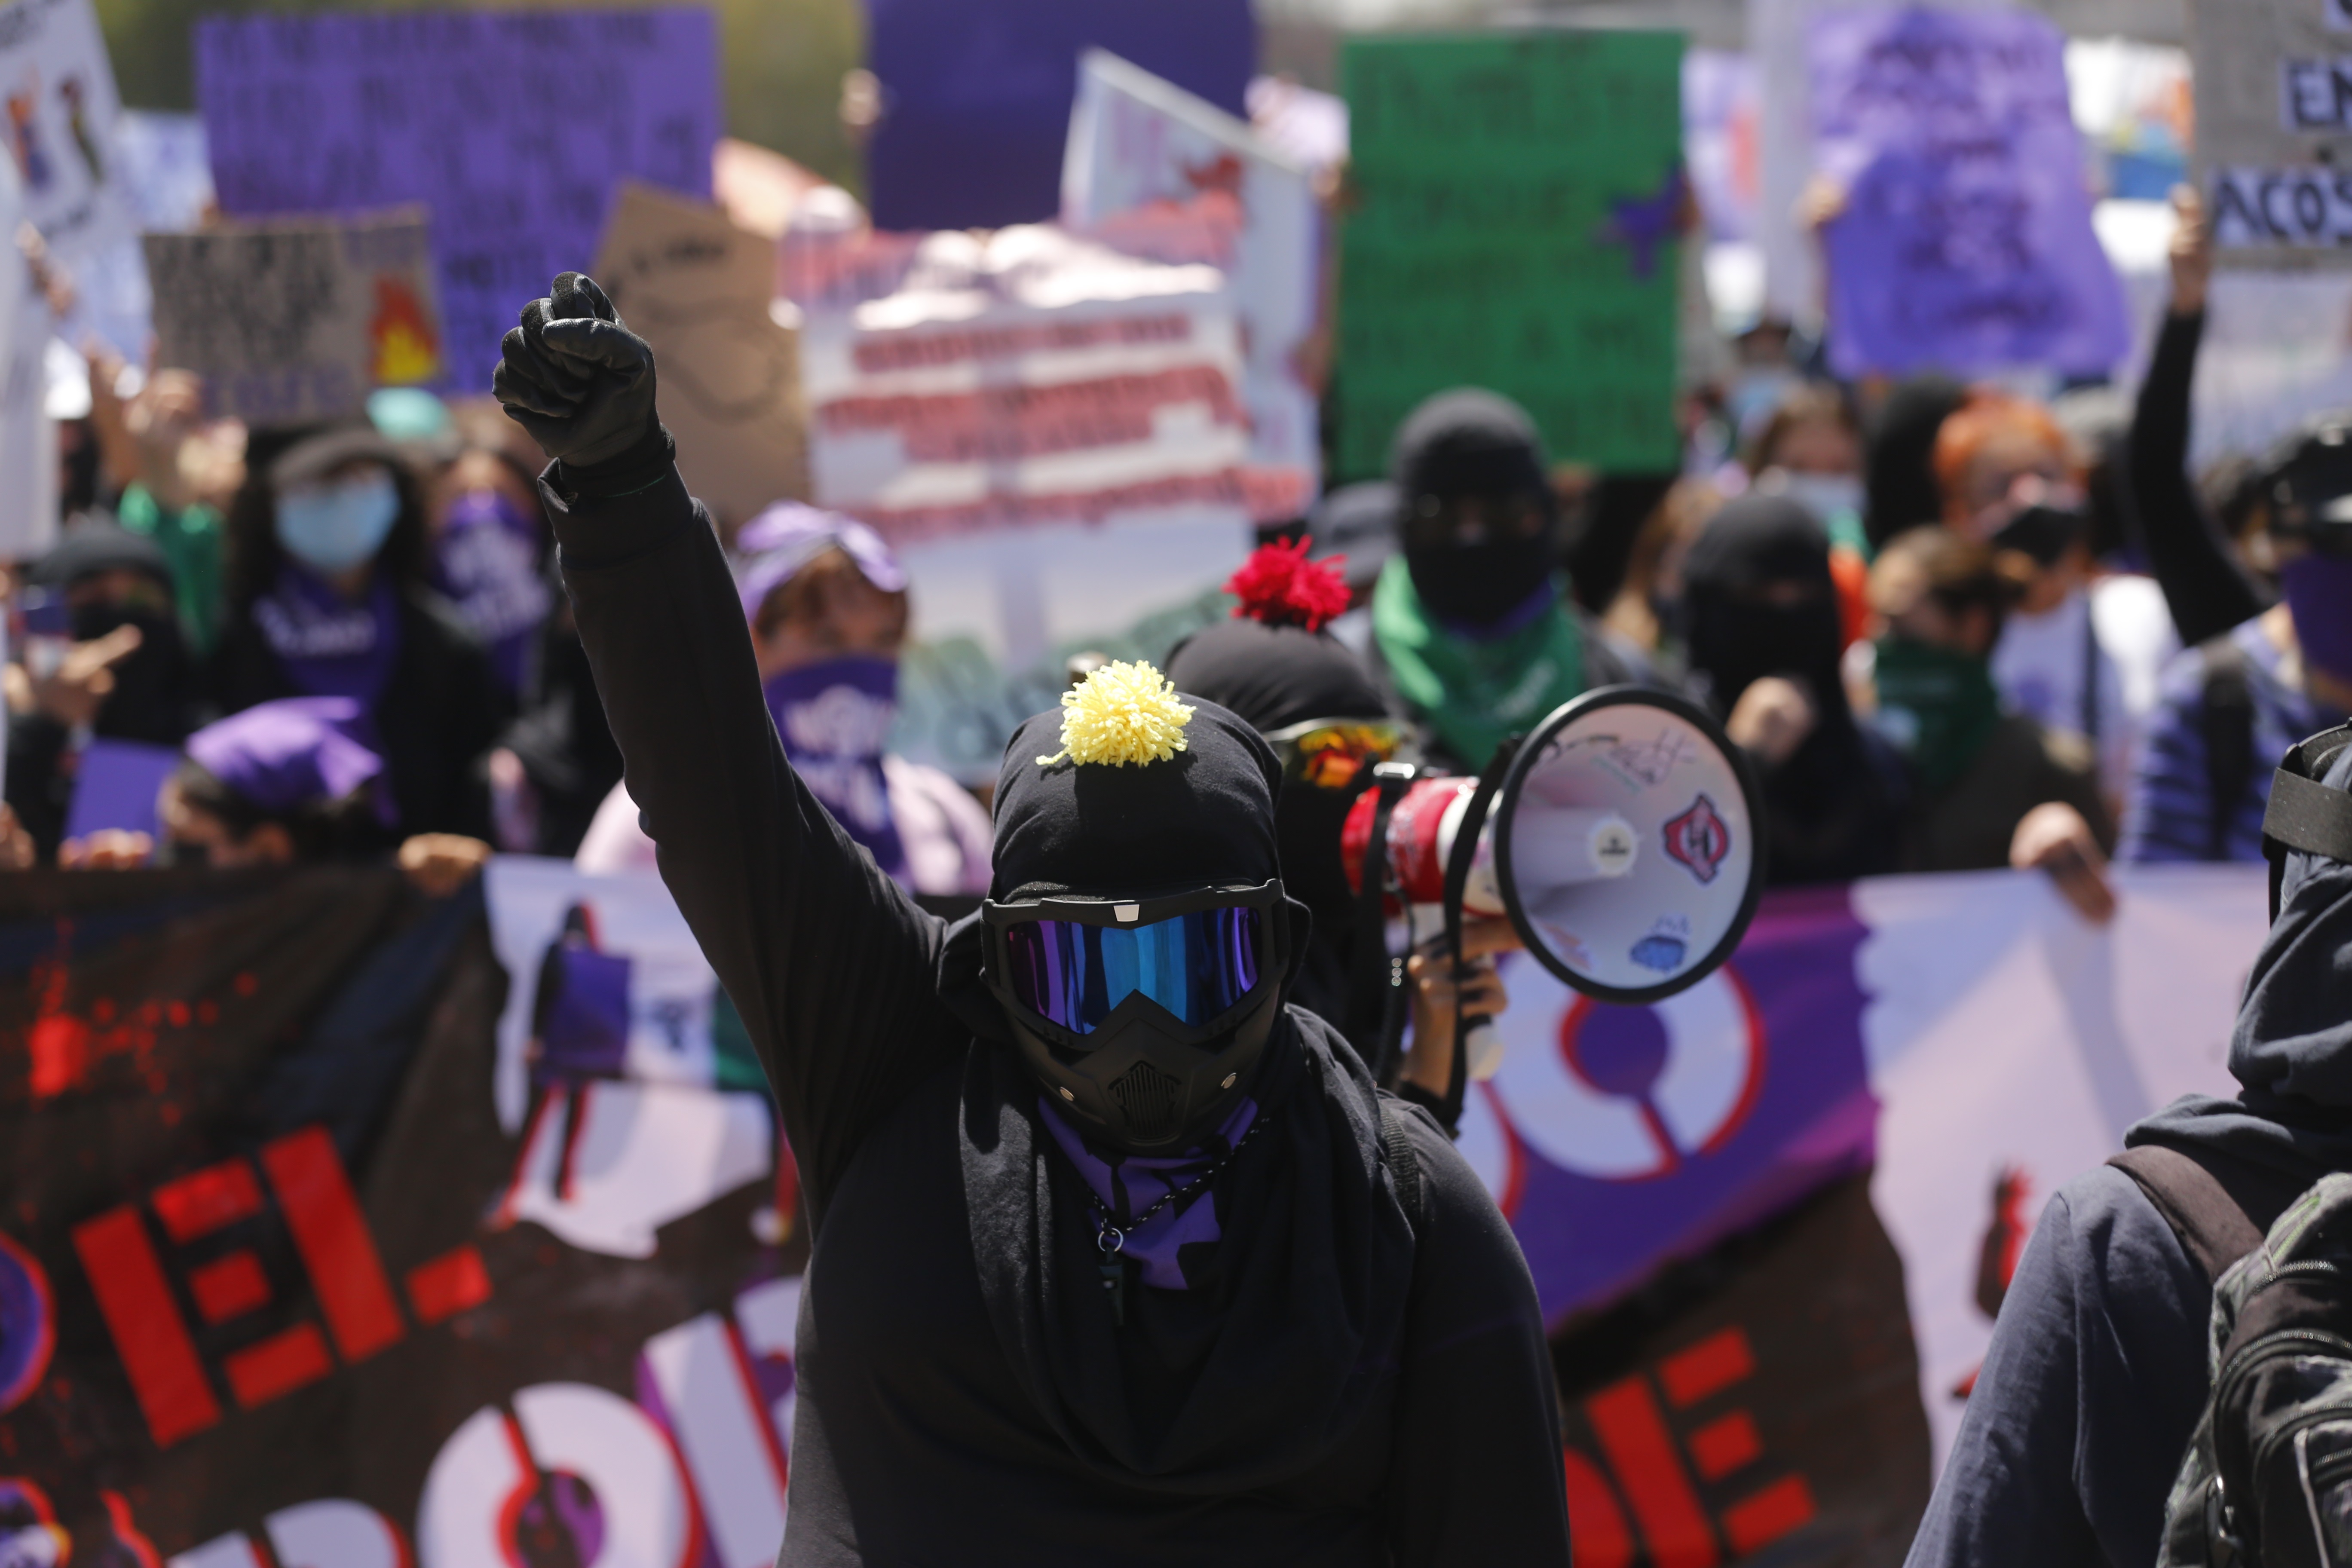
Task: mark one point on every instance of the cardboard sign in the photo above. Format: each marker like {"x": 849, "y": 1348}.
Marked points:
{"x": 298, "y": 321}
{"x": 1519, "y": 199}
{"x": 698, "y": 287}
{"x": 1152, "y": 169}
{"x": 513, "y": 127}
{"x": 58, "y": 112}
{"x": 1965, "y": 242}
{"x": 2274, "y": 127}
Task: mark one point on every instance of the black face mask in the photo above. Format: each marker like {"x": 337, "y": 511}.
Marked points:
{"x": 1307, "y": 824}
{"x": 1478, "y": 585}
{"x": 149, "y": 699}
{"x": 2042, "y": 533}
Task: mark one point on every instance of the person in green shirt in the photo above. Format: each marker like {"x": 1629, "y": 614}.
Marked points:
{"x": 142, "y": 440}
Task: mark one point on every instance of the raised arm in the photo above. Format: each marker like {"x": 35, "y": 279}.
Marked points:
{"x": 831, "y": 966}
{"x": 2203, "y": 587}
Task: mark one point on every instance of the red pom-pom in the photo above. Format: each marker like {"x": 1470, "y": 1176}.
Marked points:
{"x": 1277, "y": 585}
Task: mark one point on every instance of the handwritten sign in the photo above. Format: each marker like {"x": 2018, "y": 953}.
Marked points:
{"x": 513, "y": 127}
{"x": 58, "y": 113}
{"x": 1518, "y": 198}
{"x": 297, "y": 321}
{"x": 698, "y": 287}
{"x": 1157, "y": 172}
{"x": 1965, "y": 242}
{"x": 2274, "y": 128}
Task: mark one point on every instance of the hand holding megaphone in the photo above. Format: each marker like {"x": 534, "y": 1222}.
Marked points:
{"x": 1445, "y": 994}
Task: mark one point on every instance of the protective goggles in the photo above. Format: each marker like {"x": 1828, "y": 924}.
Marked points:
{"x": 1072, "y": 964}
{"x": 1334, "y": 754}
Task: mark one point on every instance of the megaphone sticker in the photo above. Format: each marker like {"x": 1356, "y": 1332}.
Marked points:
{"x": 1699, "y": 838}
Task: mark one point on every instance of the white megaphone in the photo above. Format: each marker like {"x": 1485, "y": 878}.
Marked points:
{"x": 1619, "y": 838}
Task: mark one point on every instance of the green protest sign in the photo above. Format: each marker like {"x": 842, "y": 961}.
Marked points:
{"x": 1516, "y": 203}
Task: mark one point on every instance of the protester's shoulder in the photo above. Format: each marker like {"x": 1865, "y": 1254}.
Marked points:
{"x": 1609, "y": 660}
{"x": 2109, "y": 1238}
{"x": 1459, "y": 1215}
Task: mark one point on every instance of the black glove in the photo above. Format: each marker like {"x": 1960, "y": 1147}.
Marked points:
{"x": 576, "y": 376}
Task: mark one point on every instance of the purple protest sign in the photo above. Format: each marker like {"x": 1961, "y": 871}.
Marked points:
{"x": 1619, "y": 1139}
{"x": 513, "y": 127}
{"x": 1965, "y": 242}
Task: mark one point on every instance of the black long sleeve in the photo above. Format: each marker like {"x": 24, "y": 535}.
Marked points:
{"x": 831, "y": 966}
{"x": 2203, "y": 586}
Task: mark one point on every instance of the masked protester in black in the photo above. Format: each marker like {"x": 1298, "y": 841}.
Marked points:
{"x": 1759, "y": 606}
{"x": 1472, "y": 624}
{"x": 112, "y": 582}
{"x": 1292, "y": 1369}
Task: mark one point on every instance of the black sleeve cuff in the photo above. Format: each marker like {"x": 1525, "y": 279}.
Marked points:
{"x": 638, "y": 468}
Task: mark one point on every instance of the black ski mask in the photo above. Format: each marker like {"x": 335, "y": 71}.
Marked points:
{"x": 1469, "y": 449}
{"x": 1093, "y": 855}
{"x": 154, "y": 685}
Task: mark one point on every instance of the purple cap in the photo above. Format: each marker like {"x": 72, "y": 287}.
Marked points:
{"x": 774, "y": 546}
{"x": 288, "y": 755}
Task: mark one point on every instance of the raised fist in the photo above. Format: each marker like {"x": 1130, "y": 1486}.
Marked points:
{"x": 576, "y": 376}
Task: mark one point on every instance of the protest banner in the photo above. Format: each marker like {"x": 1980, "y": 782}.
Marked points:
{"x": 698, "y": 287}
{"x": 346, "y": 1225}
{"x": 1722, "y": 105}
{"x": 513, "y": 127}
{"x": 297, "y": 321}
{"x": 57, "y": 87}
{"x": 28, "y": 469}
{"x": 976, "y": 94}
{"x": 1155, "y": 170}
{"x": 2274, "y": 126}
{"x": 1518, "y": 203}
{"x": 1964, "y": 240}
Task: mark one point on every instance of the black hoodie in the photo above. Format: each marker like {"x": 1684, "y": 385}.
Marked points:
{"x": 2096, "y": 1373}
{"x": 963, "y": 1397}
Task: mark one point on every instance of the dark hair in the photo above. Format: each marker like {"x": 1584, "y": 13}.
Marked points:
{"x": 321, "y": 830}
{"x": 1813, "y": 401}
{"x": 255, "y": 554}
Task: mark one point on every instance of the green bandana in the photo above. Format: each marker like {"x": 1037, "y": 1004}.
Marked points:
{"x": 1474, "y": 693}
{"x": 1936, "y": 705}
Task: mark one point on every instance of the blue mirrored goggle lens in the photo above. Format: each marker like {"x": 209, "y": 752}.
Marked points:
{"x": 1195, "y": 965}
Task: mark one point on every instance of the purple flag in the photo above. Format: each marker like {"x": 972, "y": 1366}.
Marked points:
{"x": 1627, "y": 1137}
{"x": 1965, "y": 244}
{"x": 116, "y": 786}
{"x": 514, "y": 127}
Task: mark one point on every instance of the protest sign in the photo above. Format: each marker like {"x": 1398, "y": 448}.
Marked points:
{"x": 1722, "y": 106}
{"x": 1518, "y": 200}
{"x": 350, "y": 1227}
{"x": 296, "y": 322}
{"x": 1155, "y": 170}
{"x": 56, "y": 87}
{"x": 698, "y": 287}
{"x": 513, "y": 127}
{"x": 2274, "y": 125}
{"x": 976, "y": 94}
{"x": 28, "y": 469}
{"x": 1963, "y": 241}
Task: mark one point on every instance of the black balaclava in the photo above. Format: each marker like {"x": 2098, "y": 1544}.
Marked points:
{"x": 1898, "y": 473}
{"x": 1273, "y": 678}
{"x": 153, "y": 688}
{"x": 1471, "y": 442}
{"x": 1735, "y": 636}
{"x": 1202, "y": 818}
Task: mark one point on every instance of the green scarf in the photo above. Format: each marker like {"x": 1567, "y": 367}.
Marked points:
{"x": 1472, "y": 692}
{"x": 1936, "y": 705}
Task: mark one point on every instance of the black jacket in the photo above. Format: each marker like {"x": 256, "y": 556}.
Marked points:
{"x": 915, "y": 1440}
{"x": 439, "y": 714}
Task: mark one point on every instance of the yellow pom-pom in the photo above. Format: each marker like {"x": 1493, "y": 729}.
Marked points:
{"x": 1121, "y": 713}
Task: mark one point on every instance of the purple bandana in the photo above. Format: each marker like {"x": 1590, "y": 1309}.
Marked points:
{"x": 284, "y": 755}
{"x": 487, "y": 561}
{"x": 328, "y": 645}
{"x": 1133, "y": 1182}
{"x": 834, "y": 719}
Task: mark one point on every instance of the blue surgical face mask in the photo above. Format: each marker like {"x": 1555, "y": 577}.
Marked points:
{"x": 332, "y": 528}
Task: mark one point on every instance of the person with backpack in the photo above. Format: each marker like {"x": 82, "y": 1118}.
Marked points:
{"x": 1118, "y": 1257}
{"x": 2098, "y": 1372}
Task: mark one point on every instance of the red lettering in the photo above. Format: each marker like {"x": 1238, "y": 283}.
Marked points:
{"x": 229, "y": 1286}
{"x": 1708, "y": 1367}
{"x": 1596, "y": 1525}
{"x": 202, "y": 1200}
{"x": 448, "y": 1285}
{"x": 331, "y": 1235}
{"x": 136, "y": 1302}
{"x": 1722, "y": 1447}
{"x": 278, "y": 1364}
{"x": 1784, "y": 1506}
{"x": 1632, "y": 1433}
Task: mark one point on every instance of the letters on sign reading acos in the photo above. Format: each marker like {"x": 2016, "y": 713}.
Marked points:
{"x": 514, "y": 128}
{"x": 2274, "y": 129}
{"x": 1519, "y": 199}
